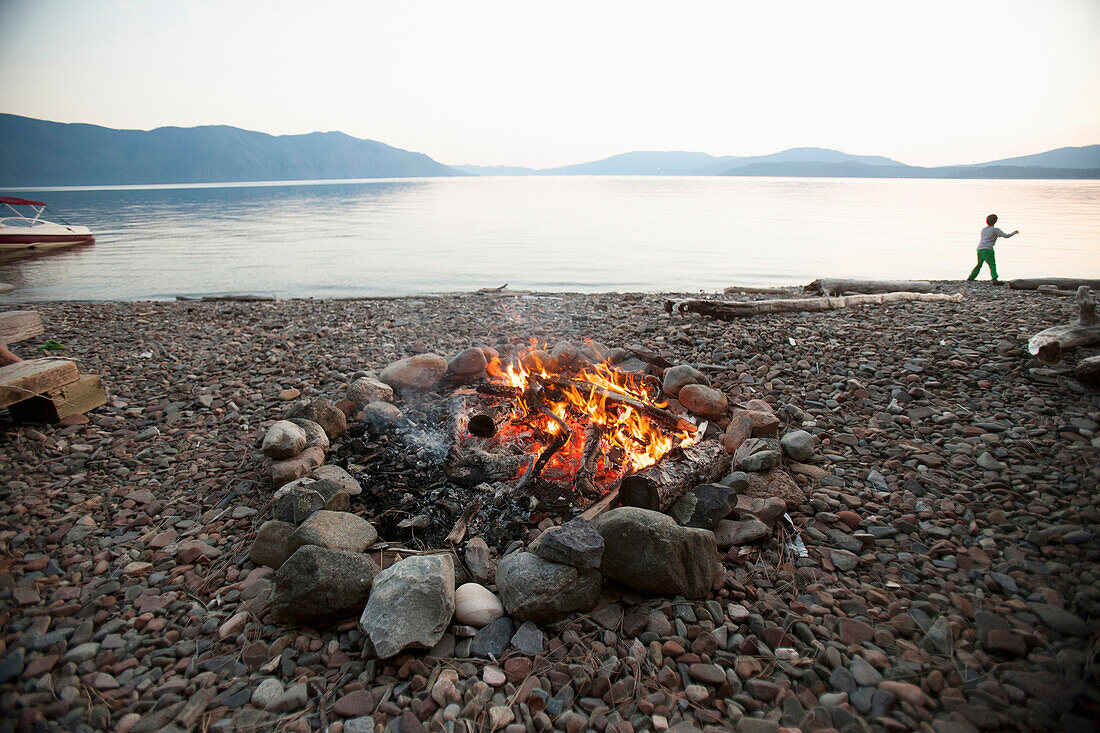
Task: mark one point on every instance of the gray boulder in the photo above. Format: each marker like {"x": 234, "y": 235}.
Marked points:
{"x": 756, "y": 454}
{"x": 798, "y": 445}
{"x": 575, "y": 543}
{"x": 703, "y": 506}
{"x": 323, "y": 412}
{"x": 316, "y": 585}
{"x": 534, "y": 589}
{"x": 334, "y": 531}
{"x": 648, "y": 552}
{"x": 411, "y": 604}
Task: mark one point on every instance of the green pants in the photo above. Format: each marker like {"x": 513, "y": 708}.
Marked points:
{"x": 985, "y": 255}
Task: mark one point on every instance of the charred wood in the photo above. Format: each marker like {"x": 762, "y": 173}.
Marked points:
{"x": 653, "y": 412}
{"x": 660, "y": 485}
{"x": 584, "y": 482}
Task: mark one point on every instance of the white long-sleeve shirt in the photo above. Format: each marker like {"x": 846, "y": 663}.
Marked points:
{"x": 989, "y": 237}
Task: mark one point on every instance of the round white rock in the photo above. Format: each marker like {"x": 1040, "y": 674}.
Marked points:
{"x": 476, "y": 605}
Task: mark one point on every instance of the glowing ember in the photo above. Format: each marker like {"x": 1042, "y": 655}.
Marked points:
{"x": 617, "y": 402}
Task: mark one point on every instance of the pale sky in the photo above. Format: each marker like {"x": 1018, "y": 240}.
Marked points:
{"x": 551, "y": 83}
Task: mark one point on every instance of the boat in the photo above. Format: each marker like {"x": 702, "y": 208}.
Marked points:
{"x": 29, "y": 231}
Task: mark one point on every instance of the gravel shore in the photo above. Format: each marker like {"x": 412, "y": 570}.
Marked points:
{"x": 951, "y": 581}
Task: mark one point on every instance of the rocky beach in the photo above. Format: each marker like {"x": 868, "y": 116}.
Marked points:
{"x": 932, "y": 566}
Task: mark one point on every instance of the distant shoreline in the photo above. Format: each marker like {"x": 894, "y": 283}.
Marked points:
{"x": 1093, "y": 174}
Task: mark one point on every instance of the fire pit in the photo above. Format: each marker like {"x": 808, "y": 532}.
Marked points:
{"x": 495, "y": 450}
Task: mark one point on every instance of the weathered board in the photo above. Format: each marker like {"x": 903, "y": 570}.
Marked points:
{"x": 19, "y": 325}
{"x": 26, "y": 379}
{"x": 74, "y": 398}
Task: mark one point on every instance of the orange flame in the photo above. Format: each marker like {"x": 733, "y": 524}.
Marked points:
{"x": 626, "y": 430}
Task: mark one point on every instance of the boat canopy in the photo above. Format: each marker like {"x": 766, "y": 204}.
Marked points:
{"x": 19, "y": 202}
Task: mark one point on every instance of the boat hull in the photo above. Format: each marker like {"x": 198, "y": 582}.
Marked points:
{"x": 14, "y": 242}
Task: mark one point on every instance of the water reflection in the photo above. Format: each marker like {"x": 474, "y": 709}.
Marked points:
{"x": 413, "y": 236}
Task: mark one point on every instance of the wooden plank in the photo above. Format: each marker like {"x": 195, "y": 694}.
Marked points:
{"x": 26, "y": 379}
{"x": 607, "y": 502}
{"x": 74, "y": 398}
{"x": 19, "y": 325}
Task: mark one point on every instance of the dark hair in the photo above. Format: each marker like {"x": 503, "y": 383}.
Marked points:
{"x": 991, "y": 219}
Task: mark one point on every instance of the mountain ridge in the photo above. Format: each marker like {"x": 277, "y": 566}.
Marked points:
{"x": 37, "y": 152}
{"x": 1078, "y": 162}
{"x": 43, "y": 153}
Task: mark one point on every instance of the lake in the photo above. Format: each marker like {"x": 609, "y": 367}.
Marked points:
{"x": 578, "y": 233}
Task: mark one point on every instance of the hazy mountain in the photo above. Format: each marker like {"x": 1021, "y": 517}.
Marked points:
{"x": 1085, "y": 157}
{"x": 680, "y": 163}
{"x": 798, "y": 169}
{"x": 816, "y": 162}
{"x": 41, "y": 153}
{"x": 495, "y": 170}
{"x": 642, "y": 163}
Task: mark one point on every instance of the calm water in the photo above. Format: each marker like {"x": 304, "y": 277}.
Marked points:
{"x": 419, "y": 236}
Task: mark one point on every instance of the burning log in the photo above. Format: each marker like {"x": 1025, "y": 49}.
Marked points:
{"x": 533, "y": 473}
{"x": 486, "y": 423}
{"x": 660, "y": 485}
{"x": 727, "y": 311}
{"x": 1048, "y": 344}
{"x": 653, "y": 412}
{"x": 584, "y": 482}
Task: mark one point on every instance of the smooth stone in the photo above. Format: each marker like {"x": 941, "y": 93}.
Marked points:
{"x": 798, "y": 445}
{"x": 420, "y": 372}
{"x": 315, "y": 434}
{"x": 284, "y": 440}
{"x": 476, "y": 605}
{"x": 704, "y": 401}
{"x": 680, "y": 376}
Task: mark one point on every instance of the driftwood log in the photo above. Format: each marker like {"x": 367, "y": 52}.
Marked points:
{"x": 660, "y": 485}
{"x": 753, "y": 291}
{"x": 832, "y": 286}
{"x": 1062, "y": 283}
{"x": 1048, "y": 344}
{"x": 1088, "y": 371}
{"x": 727, "y": 311}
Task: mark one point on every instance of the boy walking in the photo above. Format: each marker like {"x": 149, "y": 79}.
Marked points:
{"x": 985, "y": 247}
